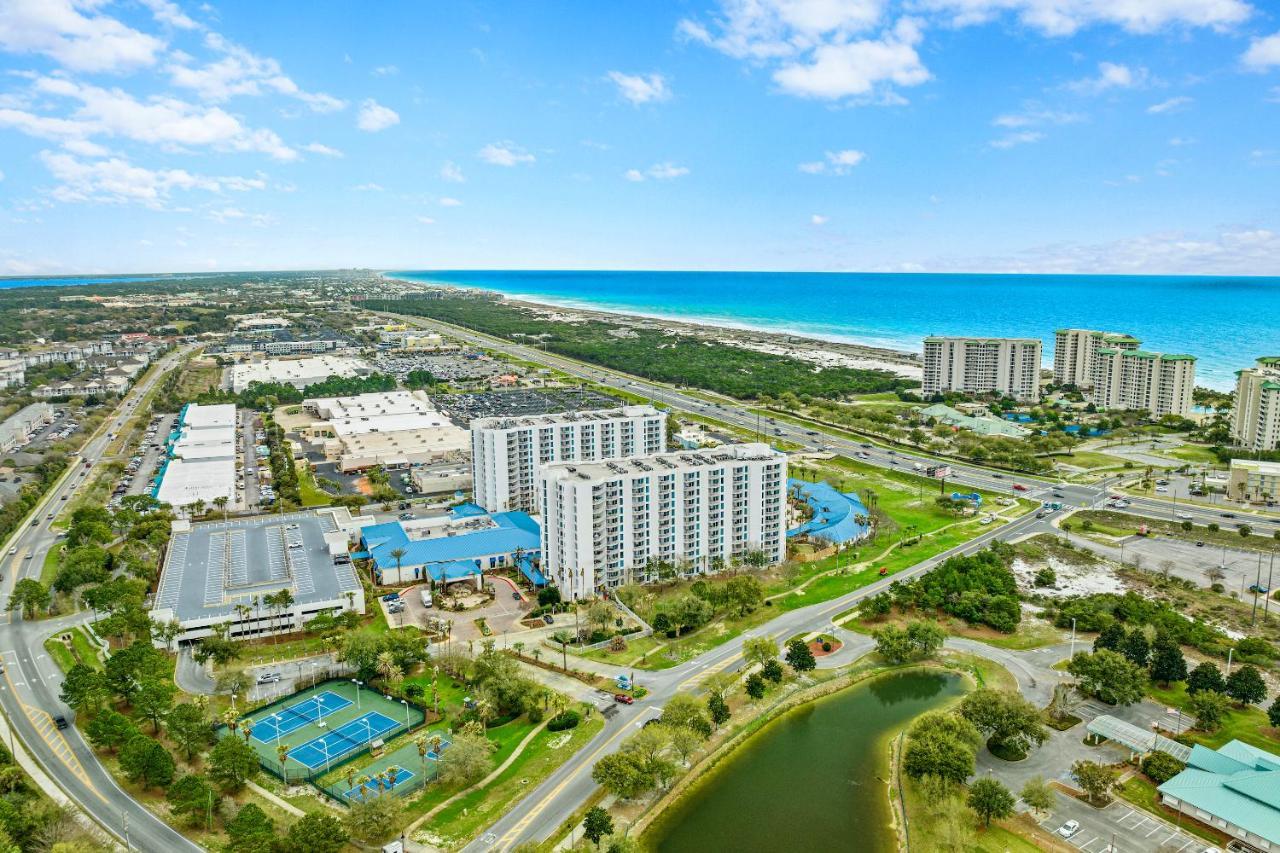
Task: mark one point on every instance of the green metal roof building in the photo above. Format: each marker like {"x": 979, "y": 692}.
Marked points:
{"x": 1235, "y": 788}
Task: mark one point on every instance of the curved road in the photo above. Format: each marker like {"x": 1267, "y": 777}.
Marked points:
{"x": 31, "y": 682}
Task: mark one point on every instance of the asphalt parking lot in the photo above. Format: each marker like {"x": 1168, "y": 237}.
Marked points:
{"x": 1119, "y": 828}
{"x": 1187, "y": 560}
{"x": 462, "y": 408}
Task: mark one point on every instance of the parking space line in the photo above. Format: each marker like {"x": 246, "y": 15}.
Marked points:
{"x": 1154, "y": 830}
{"x": 1126, "y": 815}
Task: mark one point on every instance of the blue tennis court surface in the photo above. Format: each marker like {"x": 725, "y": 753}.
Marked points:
{"x": 444, "y": 744}
{"x": 345, "y": 739}
{"x": 402, "y": 776}
{"x": 309, "y": 710}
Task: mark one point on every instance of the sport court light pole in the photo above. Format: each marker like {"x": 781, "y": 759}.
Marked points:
{"x": 405, "y": 703}
{"x": 276, "y": 717}
{"x": 358, "y": 683}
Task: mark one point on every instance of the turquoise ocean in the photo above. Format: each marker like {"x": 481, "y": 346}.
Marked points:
{"x": 1227, "y": 322}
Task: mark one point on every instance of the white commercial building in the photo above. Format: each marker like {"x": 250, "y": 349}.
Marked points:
{"x": 1254, "y": 481}
{"x": 298, "y": 372}
{"x": 506, "y": 452}
{"x": 202, "y": 458}
{"x": 610, "y": 523}
{"x": 1133, "y": 380}
{"x": 389, "y": 429}
{"x": 1255, "y": 419}
{"x": 1005, "y": 366}
{"x": 17, "y": 429}
{"x": 1075, "y": 354}
{"x": 13, "y": 372}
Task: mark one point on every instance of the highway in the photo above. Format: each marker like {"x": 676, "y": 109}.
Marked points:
{"x": 31, "y": 682}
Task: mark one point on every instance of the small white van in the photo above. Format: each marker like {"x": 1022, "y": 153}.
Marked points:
{"x": 426, "y": 598}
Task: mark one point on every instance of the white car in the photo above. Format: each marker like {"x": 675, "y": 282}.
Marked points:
{"x": 1069, "y": 828}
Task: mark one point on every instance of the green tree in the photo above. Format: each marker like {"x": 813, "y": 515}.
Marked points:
{"x": 83, "y": 688}
{"x": 1273, "y": 713}
{"x": 759, "y": 650}
{"x": 147, "y": 762}
{"x": 1167, "y": 663}
{"x": 1037, "y": 794}
{"x": 942, "y": 745}
{"x": 232, "y": 762}
{"x": 800, "y": 657}
{"x": 755, "y": 686}
{"x": 1011, "y": 723}
{"x": 1095, "y": 779}
{"x": 683, "y": 710}
{"x": 1111, "y": 677}
{"x": 1136, "y": 648}
{"x": 153, "y": 700}
{"x": 772, "y": 671}
{"x": 1246, "y": 686}
{"x": 1206, "y": 676}
{"x": 110, "y": 730}
{"x": 989, "y": 798}
{"x": 623, "y": 774}
{"x": 1111, "y": 637}
{"x": 189, "y": 729}
{"x": 469, "y": 763}
{"x": 374, "y": 818}
{"x": 315, "y": 833}
{"x": 29, "y": 596}
{"x": 597, "y": 824}
{"x": 250, "y": 831}
{"x": 718, "y": 711}
{"x": 192, "y": 799}
{"x": 1209, "y": 707}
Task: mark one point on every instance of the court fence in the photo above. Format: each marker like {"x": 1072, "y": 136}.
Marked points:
{"x": 415, "y": 719}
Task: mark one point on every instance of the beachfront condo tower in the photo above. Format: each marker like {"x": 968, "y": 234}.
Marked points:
{"x": 609, "y": 523}
{"x": 1004, "y": 366}
{"x": 1134, "y": 380}
{"x": 506, "y": 452}
{"x": 1255, "y": 420}
{"x": 1075, "y": 354}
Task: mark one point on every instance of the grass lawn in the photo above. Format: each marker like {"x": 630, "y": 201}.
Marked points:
{"x": 49, "y": 568}
{"x": 644, "y": 653}
{"x": 464, "y": 818}
{"x": 926, "y": 825}
{"x": 1139, "y": 791}
{"x": 310, "y": 491}
{"x": 1090, "y": 459}
{"x": 1031, "y": 633}
{"x": 60, "y": 654}
{"x": 81, "y": 650}
{"x": 506, "y": 737}
{"x": 1249, "y": 725}
{"x": 1193, "y": 453}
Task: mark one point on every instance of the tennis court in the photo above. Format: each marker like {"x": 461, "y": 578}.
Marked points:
{"x": 347, "y": 738}
{"x": 293, "y": 717}
{"x": 390, "y": 781}
{"x": 329, "y": 723}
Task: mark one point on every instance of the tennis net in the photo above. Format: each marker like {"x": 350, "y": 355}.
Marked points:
{"x": 292, "y": 710}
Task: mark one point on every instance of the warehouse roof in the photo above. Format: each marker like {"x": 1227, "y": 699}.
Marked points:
{"x": 1237, "y": 783}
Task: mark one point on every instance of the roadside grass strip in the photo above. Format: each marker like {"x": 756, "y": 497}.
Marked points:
{"x": 340, "y": 742}
{"x": 307, "y": 712}
{"x": 362, "y": 792}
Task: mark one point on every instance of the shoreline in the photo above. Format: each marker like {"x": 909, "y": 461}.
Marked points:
{"x": 819, "y": 351}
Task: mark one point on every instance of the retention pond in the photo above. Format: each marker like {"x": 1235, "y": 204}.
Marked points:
{"x": 812, "y": 780}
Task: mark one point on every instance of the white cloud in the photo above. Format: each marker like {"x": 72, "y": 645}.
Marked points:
{"x": 836, "y": 163}
{"x": 71, "y": 34}
{"x": 819, "y": 219}
{"x": 1034, "y": 115}
{"x": 504, "y": 154}
{"x": 1181, "y": 140}
{"x": 1170, "y": 105}
{"x": 118, "y": 181}
{"x": 426, "y": 220}
{"x": 857, "y": 68}
{"x": 664, "y": 171}
{"x": 1111, "y": 76}
{"x": 818, "y": 48}
{"x": 164, "y": 121}
{"x": 374, "y": 116}
{"x": 322, "y": 149}
{"x": 450, "y": 202}
{"x": 241, "y": 72}
{"x": 386, "y": 71}
{"x": 641, "y": 88}
{"x": 168, "y": 12}
{"x": 1064, "y": 17}
{"x": 370, "y": 187}
{"x": 1022, "y": 137}
{"x": 1263, "y": 54}
{"x": 451, "y": 172}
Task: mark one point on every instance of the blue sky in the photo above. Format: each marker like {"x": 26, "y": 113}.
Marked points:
{"x": 979, "y": 135}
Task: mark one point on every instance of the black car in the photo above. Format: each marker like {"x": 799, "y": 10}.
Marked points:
{"x": 60, "y": 721}
{"x": 547, "y": 619}
{"x": 1228, "y": 515}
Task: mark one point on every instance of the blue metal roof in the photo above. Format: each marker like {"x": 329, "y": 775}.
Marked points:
{"x": 529, "y": 571}
{"x": 1238, "y": 783}
{"x": 833, "y": 512}
{"x": 514, "y": 530}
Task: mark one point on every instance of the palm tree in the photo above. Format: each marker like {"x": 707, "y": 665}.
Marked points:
{"x": 198, "y": 506}
{"x": 397, "y": 554}
{"x": 364, "y": 785}
{"x": 221, "y": 502}
{"x": 284, "y": 599}
{"x": 351, "y": 777}
{"x": 381, "y": 780}
{"x": 392, "y": 772}
{"x": 437, "y": 746}
{"x": 282, "y": 755}
{"x": 421, "y": 743}
{"x": 564, "y": 638}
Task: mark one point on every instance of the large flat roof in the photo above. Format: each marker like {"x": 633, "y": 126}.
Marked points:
{"x": 214, "y": 566}
{"x": 679, "y": 460}
{"x": 296, "y": 371}
{"x": 371, "y": 404}
{"x": 584, "y": 416}
{"x": 473, "y": 536}
{"x": 196, "y": 416}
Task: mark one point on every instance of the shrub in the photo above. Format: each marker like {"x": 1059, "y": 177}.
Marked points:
{"x": 826, "y": 646}
{"x": 1161, "y": 767}
{"x": 535, "y": 715}
{"x": 564, "y": 720}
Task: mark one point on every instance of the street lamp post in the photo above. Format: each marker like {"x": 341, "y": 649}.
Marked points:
{"x": 358, "y": 683}
{"x": 1073, "y": 637}
{"x": 276, "y": 717}
{"x": 405, "y": 703}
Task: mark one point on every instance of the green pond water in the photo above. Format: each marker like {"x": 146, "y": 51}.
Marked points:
{"x": 810, "y": 781}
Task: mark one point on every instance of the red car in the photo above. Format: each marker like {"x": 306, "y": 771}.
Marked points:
{"x": 623, "y": 698}
{"x": 1018, "y": 487}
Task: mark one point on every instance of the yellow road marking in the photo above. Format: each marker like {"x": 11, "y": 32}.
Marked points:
{"x": 43, "y": 723}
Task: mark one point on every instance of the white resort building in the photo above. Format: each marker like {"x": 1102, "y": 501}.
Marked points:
{"x": 1133, "y": 379}
{"x": 607, "y": 523}
{"x": 1075, "y": 354}
{"x": 506, "y": 452}
{"x": 1007, "y": 366}
{"x": 1255, "y": 420}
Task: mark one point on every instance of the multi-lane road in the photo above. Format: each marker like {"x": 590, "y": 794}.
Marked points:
{"x": 31, "y": 683}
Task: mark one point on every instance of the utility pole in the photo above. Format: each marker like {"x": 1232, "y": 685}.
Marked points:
{"x": 1257, "y": 586}
{"x": 1266, "y": 601}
